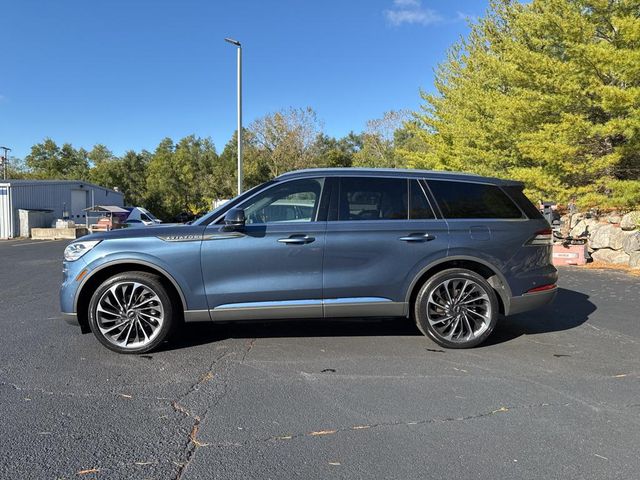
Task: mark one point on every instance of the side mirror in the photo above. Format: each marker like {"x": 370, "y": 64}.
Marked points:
{"x": 234, "y": 219}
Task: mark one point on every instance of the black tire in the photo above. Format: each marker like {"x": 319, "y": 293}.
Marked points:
{"x": 161, "y": 303}
{"x": 481, "y": 313}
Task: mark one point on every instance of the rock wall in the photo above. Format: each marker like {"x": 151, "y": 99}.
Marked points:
{"x": 612, "y": 239}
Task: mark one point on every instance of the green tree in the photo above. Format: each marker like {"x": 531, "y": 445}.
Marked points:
{"x": 100, "y": 154}
{"x": 105, "y": 167}
{"x": 16, "y": 168}
{"x": 48, "y": 161}
{"x": 255, "y": 168}
{"x": 547, "y": 92}
{"x": 178, "y": 176}
{"x": 378, "y": 142}
{"x": 284, "y": 140}
{"x": 332, "y": 152}
{"x": 133, "y": 177}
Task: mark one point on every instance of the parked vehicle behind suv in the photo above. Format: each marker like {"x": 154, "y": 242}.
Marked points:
{"x": 452, "y": 251}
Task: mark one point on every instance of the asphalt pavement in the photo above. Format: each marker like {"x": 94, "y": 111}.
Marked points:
{"x": 554, "y": 394}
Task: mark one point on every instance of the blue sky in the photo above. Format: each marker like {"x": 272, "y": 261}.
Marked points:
{"x": 127, "y": 73}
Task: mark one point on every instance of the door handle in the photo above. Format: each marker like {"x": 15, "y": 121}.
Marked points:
{"x": 297, "y": 239}
{"x": 418, "y": 237}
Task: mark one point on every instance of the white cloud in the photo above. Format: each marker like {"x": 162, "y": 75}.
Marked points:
{"x": 466, "y": 17}
{"x": 411, "y": 12}
{"x": 406, "y": 3}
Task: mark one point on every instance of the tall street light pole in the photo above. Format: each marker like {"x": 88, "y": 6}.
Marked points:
{"x": 237, "y": 44}
{"x": 5, "y": 161}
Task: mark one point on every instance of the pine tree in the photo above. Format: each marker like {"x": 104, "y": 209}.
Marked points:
{"x": 547, "y": 92}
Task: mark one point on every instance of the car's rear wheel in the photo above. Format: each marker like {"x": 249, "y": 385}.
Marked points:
{"x": 131, "y": 312}
{"x": 457, "y": 308}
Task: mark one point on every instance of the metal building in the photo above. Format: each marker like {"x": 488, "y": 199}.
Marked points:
{"x": 65, "y": 198}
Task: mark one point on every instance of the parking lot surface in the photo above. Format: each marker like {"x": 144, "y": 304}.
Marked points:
{"x": 554, "y": 394}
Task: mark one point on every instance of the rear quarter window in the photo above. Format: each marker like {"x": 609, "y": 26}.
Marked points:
{"x": 518, "y": 196}
{"x": 472, "y": 200}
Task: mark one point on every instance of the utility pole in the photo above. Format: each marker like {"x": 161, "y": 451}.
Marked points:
{"x": 5, "y": 161}
{"x": 237, "y": 44}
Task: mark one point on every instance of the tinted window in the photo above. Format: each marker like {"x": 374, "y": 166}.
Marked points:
{"x": 419, "y": 208}
{"x": 518, "y": 196}
{"x": 373, "y": 199}
{"x": 472, "y": 200}
{"x": 294, "y": 201}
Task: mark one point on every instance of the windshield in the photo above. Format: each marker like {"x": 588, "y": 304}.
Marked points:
{"x": 148, "y": 214}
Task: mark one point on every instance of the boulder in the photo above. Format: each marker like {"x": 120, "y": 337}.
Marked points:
{"x": 589, "y": 224}
{"x": 634, "y": 260}
{"x": 576, "y": 218}
{"x": 565, "y": 225}
{"x": 610, "y": 256}
{"x": 617, "y": 238}
{"x": 601, "y": 237}
{"x": 631, "y": 243}
{"x": 630, "y": 221}
{"x": 614, "y": 218}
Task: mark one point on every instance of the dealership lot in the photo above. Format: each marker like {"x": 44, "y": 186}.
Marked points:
{"x": 553, "y": 394}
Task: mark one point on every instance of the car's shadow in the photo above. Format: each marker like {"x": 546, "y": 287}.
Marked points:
{"x": 569, "y": 310}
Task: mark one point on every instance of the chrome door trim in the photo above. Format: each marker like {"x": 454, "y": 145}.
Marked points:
{"x": 330, "y": 308}
{"x": 197, "y": 316}
{"x": 363, "y": 307}
{"x": 268, "y": 310}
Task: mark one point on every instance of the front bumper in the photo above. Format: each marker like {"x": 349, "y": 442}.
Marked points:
{"x": 70, "y": 284}
{"x": 531, "y": 301}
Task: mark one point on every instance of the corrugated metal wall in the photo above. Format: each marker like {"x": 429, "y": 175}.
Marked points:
{"x": 49, "y": 196}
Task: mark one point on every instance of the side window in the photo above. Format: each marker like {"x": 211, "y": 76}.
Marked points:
{"x": 518, "y": 196}
{"x": 369, "y": 198}
{"x": 419, "y": 208}
{"x": 294, "y": 201}
{"x": 472, "y": 200}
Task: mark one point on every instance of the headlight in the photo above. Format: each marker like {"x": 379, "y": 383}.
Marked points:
{"x": 78, "y": 249}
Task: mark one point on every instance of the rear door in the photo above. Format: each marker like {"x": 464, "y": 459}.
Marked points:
{"x": 483, "y": 221}
{"x": 381, "y": 232}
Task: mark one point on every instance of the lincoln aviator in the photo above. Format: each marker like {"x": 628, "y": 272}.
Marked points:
{"x": 451, "y": 251}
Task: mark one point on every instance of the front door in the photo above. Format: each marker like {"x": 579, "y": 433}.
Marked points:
{"x": 271, "y": 268}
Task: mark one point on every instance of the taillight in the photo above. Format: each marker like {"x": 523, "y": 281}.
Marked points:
{"x": 542, "y": 288}
{"x": 542, "y": 237}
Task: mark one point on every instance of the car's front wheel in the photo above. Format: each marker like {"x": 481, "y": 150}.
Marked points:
{"x": 457, "y": 308}
{"x": 131, "y": 312}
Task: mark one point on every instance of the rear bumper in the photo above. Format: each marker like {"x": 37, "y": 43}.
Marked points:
{"x": 531, "y": 301}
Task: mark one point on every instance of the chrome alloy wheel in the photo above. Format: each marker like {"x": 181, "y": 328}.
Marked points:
{"x": 129, "y": 315}
{"x": 459, "y": 310}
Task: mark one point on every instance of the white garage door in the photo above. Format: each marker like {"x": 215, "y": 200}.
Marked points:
{"x": 78, "y": 204}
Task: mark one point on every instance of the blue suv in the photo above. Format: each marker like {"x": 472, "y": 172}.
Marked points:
{"x": 452, "y": 251}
